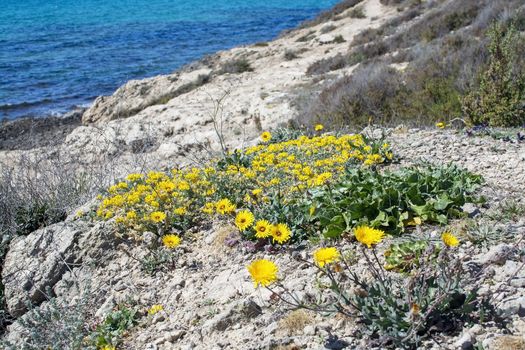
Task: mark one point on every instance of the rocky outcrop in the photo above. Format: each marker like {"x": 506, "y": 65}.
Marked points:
{"x": 35, "y": 263}
{"x": 136, "y": 95}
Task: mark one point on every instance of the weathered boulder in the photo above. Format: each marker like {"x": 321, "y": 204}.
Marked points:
{"x": 137, "y": 95}
{"x": 326, "y": 39}
{"x": 36, "y": 262}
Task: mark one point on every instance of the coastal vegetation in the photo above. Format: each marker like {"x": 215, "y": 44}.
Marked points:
{"x": 456, "y": 60}
{"x": 398, "y": 238}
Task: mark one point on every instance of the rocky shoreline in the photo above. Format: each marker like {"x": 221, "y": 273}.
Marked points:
{"x": 35, "y": 132}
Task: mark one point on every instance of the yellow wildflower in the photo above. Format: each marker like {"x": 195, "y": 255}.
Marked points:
{"x": 244, "y": 220}
{"x": 131, "y": 215}
{"x": 323, "y": 256}
{"x": 449, "y": 239}
{"x": 368, "y": 236}
{"x": 225, "y": 206}
{"x": 134, "y": 177}
{"x": 155, "y": 309}
{"x": 180, "y": 211}
{"x": 281, "y": 233}
{"x": 157, "y": 216}
{"x": 122, "y": 185}
{"x": 208, "y": 208}
{"x": 263, "y": 272}
{"x": 266, "y": 136}
{"x": 441, "y": 125}
{"x": 170, "y": 241}
{"x": 263, "y": 229}
{"x": 319, "y": 127}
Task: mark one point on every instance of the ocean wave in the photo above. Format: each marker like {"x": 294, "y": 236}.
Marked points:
{"x": 23, "y": 105}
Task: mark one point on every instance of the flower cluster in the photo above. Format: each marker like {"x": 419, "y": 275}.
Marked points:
{"x": 244, "y": 187}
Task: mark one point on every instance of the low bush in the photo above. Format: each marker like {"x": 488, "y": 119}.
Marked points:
{"x": 290, "y": 55}
{"x": 36, "y": 192}
{"x": 236, "y": 66}
{"x": 54, "y": 326}
{"x": 393, "y": 201}
{"x": 108, "y": 333}
{"x": 357, "y": 12}
{"x": 393, "y": 310}
{"x": 500, "y": 98}
{"x": 439, "y": 47}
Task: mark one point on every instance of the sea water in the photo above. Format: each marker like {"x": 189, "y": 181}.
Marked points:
{"x": 58, "y": 54}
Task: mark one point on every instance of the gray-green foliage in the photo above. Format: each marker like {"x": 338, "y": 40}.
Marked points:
{"x": 437, "y": 297}
{"x": 500, "y": 98}
{"x": 54, "y": 326}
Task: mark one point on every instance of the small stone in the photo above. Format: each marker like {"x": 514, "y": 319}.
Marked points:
{"x": 465, "y": 342}
{"x": 498, "y": 254}
{"x": 309, "y": 330}
{"x": 148, "y": 237}
{"x": 471, "y": 210}
{"x": 476, "y": 329}
{"x": 250, "y": 309}
{"x": 513, "y": 306}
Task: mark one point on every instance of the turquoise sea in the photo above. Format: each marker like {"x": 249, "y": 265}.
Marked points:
{"x": 57, "y": 54}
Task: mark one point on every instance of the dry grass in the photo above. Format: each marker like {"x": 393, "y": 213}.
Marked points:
{"x": 444, "y": 48}
{"x": 295, "y": 321}
{"x": 509, "y": 342}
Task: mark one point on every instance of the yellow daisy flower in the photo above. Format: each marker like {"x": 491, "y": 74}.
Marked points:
{"x": 263, "y": 229}
{"x": 224, "y": 206}
{"x": 180, "y": 211}
{"x": 368, "y": 236}
{"x": 263, "y": 272}
{"x": 449, "y": 239}
{"x": 281, "y": 233}
{"x": 244, "y": 220}
{"x": 155, "y": 309}
{"x": 157, "y": 216}
{"x": 318, "y": 127}
{"x": 323, "y": 256}
{"x": 170, "y": 241}
{"x": 266, "y": 136}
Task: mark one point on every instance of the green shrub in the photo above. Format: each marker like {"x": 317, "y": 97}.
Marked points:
{"x": 330, "y": 14}
{"x": 500, "y": 98}
{"x": 290, "y": 55}
{"x": 357, "y": 12}
{"x": 394, "y": 201}
{"x": 110, "y": 331}
{"x": 338, "y": 39}
{"x": 437, "y": 298}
